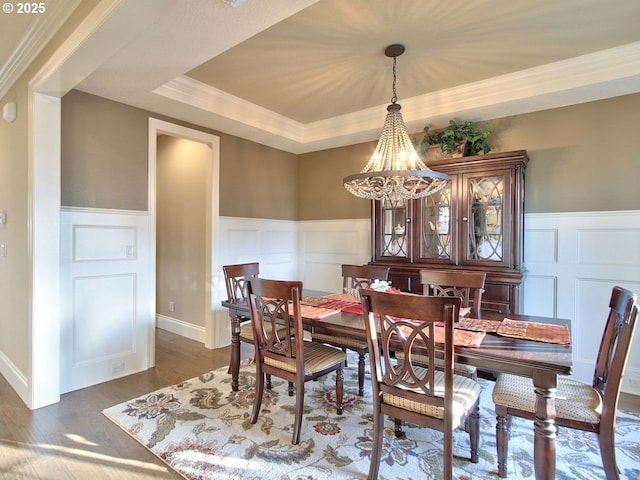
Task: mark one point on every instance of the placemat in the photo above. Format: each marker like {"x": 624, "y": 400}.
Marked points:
{"x": 357, "y": 309}
{"x": 540, "y": 332}
{"x": 461, "y": 338}
{"x": 316, "y": 313}
{"x": 479, "y": 325}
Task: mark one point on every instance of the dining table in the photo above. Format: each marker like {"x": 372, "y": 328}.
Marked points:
{"x": 542, "y": 361}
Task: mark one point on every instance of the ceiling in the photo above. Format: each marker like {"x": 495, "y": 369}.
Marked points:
{"x": 304, "y": 75}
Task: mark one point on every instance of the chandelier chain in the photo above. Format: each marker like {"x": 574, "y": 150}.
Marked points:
{"x": 394, "y": 98}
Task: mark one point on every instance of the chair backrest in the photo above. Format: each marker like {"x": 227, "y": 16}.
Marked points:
{"x": 271, "y": 301}
{"x": 614, "y": 349}
{"x": 235, "y": 277}
{"x": 355, "y": 277}
{"x": 408, "y": 323}
{"x": 467, "y": 285}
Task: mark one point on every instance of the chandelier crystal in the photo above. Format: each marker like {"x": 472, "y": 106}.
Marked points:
{"x": 395, "y": 170}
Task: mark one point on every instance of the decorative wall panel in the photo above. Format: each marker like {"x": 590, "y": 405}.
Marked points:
{"x": 107, "y": 296}
{"x": 116, "y": 243}
{"x": 573, "y": 262}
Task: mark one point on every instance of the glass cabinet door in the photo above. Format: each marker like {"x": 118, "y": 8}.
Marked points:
{"x": 438, "y": 225}
{"x": 487, "y": 238}
{"x": 394, "y": 226}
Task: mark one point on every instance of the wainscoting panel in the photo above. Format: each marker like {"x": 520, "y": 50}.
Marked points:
{"x": 117, "y": 243}
{"x": 93, "y": 298}
{"x": 272, "y": 243}
{"x": 573, "y": 262}
{"x": 107, "y": 296}
{"x": 325, "y": 245}
{"x": 541, "y": 294}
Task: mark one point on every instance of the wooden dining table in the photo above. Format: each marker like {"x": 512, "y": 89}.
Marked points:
{"x": 540, "y": 361}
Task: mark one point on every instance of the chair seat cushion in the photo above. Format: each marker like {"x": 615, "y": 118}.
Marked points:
{"x": 340, "y": 342}
{"x": 465, "y": 394}
{"x": 246, "y": 332}
{"x": 574, "y": 400}
{"x": 317, "y": 357}
{"x": 458, "y": 368}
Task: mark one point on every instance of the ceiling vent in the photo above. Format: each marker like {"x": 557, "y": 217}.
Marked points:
{"x": 234, "y": 3}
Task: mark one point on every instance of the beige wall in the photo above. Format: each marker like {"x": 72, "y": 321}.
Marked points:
{"x": 257, "y": 181}
{"x": 104, "y": 163}
{"x": 582, "y": 158}
{"x": 181, "y": 220}
{"x": 104, "y": 153}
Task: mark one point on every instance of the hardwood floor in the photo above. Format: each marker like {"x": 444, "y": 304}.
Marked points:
{"x": 74, "y": 441}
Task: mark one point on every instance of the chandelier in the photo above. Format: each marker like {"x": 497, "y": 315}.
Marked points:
{"x": 395, "y": 170}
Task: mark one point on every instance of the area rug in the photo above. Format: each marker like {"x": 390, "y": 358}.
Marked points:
{"x": 201, "y": 429}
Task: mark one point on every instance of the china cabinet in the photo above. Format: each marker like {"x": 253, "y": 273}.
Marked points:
{"x": 475, "y": 223}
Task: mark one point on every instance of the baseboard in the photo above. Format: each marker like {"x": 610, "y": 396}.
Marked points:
{"x": 181, "y": 328}
{"x": 16, "y": 379}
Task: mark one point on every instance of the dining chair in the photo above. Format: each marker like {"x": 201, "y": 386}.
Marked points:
{"x": 354, "y": 277}
{"x": 591, "y": 408}
{"x": 235, "y": 278}
{"x": 405, "y": 390}
{"x": 286, "y": 354}
{"x": 468, "y": 286}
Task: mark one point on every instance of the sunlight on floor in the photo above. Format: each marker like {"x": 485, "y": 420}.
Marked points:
{"x": 75, "y": 454}
{"x": 80, "y": 439}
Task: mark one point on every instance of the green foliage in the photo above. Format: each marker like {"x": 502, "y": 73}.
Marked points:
{"x": 450, "y": 137}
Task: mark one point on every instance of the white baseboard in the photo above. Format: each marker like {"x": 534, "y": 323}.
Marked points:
{"x": 15, "y": 378}
{"x": 184, "y": 329}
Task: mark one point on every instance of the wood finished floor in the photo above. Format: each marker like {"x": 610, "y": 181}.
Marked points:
{"x": 72, "y": 440}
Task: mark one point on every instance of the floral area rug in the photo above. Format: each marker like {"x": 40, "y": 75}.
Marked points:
{"x": 201, "y": 429}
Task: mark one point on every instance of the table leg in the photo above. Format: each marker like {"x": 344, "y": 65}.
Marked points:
{"x": 234, "y": 362}
{"x": 544, "y": 440}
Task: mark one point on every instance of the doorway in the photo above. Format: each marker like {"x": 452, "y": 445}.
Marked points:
{"x": 209, "y": 281}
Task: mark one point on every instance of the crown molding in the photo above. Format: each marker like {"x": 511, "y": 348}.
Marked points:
{"x": 204, "y": 97}
{"x": 595, "y": 76}
{"x": 39, "y": 33}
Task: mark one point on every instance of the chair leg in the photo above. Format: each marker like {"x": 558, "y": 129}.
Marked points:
{"x": 606, "y": 439}
{"x": 290, "y": 389}
{"x": 297, "y": 421}
{"x": 474, "y": 432}
{"x": 376, "y": 448}
{"x": 234, "y": 361}
{"x": 339, "y": 391}
{"x": 503, "y": 431}
{"x": 361, "y": 364}
{"x": 447, "y": 460}
{"x": 257, "y": 401}
{"x": 397, "y": 428}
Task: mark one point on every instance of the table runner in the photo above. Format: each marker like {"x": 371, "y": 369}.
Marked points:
{"x": 316, "y": 308}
